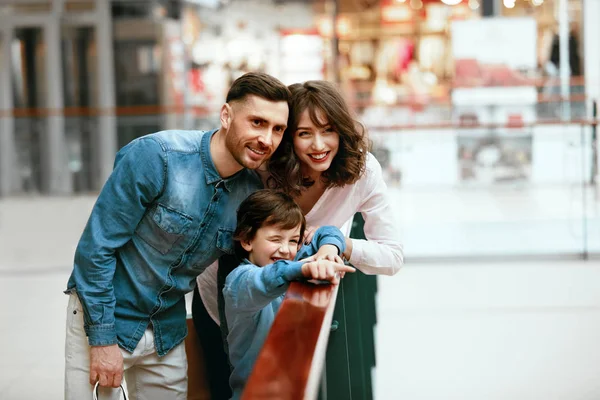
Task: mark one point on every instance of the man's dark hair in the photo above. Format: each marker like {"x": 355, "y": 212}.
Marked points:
{"x": 266, "y": 208}
{"x": 258, "y": 84}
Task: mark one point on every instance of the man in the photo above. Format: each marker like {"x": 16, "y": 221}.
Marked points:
{"x": 166, "y": 212}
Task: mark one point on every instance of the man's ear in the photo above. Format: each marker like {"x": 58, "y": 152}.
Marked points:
{"x": 226, "y": 115}
{"x": 246, "y": 245}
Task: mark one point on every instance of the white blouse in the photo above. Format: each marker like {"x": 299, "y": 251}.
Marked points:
{"x": 381, "y": 253}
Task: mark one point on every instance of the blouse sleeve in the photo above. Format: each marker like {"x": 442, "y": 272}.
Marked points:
{"x": 382, "y": 252}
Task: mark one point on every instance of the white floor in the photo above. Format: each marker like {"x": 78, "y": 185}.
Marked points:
{"x": 476, "y": 331}
{"x": 490, "y": 331}
{"x": 466, "y": 331}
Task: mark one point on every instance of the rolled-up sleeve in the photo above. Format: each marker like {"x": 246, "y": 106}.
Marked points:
{"x": 137, "y": 179}
{"x": 323, "y": 235}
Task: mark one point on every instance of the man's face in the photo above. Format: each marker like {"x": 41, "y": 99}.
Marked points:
{"x": 255, "y": 129}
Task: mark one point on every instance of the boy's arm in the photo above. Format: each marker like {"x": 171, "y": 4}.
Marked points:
{"x": 324, "y": 239}
{"x": 250, "y": 288}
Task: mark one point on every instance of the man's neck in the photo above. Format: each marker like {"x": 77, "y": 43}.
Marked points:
{"x": 224, "y": 162}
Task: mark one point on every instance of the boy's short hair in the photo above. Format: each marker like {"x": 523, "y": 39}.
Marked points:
{"x": 258, "y": 84}
{"x": 266, "y": 208}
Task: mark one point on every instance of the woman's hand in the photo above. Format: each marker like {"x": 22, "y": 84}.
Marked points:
{"x": 327, "y": 252}
{"x": 309, "y": 232}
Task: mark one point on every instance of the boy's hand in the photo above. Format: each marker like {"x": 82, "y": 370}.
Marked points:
{"x": 325, "y": 270}
{"x": 326, "y": 252}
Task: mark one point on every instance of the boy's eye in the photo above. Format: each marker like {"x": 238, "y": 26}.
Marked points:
{"x": 295, "y": 241}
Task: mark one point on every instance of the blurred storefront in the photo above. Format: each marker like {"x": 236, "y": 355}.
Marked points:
{"x": 79, "y": 80}
{"x": 468, "y": 84}
{"x": 404, "y": 51}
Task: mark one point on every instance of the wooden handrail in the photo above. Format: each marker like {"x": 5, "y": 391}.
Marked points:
{"x": 290, "y": 364}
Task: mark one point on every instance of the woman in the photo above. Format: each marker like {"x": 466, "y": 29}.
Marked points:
{"x": 324, "y": 163}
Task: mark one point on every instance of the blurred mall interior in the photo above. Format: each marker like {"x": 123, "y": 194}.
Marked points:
{"x": 477, "y": 121}
{"x": 482, "y": 113}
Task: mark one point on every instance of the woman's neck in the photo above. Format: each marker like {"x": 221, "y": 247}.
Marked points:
{"x": 310, "y": 174}
{"x": 310, "y": 196}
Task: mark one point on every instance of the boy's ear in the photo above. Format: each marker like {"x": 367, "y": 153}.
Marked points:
{"x": 246, "y": 245}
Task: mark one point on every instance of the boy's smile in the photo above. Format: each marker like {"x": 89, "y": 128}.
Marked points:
{"x": 272, "y": 243}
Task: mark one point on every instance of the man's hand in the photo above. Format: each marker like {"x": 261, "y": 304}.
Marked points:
{"x": 325, "y": 270}
{"x": 106, "y": 365}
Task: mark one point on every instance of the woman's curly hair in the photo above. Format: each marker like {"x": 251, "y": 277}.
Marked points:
{"x": 348, "y": 164}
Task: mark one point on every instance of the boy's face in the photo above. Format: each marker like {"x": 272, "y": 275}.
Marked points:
{"x": 272, "y": 243}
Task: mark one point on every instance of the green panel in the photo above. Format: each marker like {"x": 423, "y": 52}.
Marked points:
{"x": 336, "y": 361}
{"x": 351, "y": 349}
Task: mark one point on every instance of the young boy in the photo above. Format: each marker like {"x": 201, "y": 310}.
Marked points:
{"x": 270, "y": 226}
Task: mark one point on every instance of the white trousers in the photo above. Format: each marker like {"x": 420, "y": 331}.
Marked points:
{"x": 147, "y": 376}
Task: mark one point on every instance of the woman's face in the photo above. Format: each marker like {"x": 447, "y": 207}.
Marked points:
{"x": 315, "y": 147}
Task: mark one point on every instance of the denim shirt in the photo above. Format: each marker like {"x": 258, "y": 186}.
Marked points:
{"x": 162, "y": 217}
{"x": 253, "y": 296}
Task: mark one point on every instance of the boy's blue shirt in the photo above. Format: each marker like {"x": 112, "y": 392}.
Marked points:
{"x": 253, "y": 296}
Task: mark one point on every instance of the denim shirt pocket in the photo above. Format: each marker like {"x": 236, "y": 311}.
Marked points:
{"x": 225, "y": 240}
{"x": 162, "y": 227}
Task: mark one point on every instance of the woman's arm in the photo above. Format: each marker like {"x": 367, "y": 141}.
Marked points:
{"x": 382, "y": 252}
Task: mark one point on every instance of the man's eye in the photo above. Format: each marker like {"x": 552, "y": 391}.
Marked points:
{"x": 256, "y": 122}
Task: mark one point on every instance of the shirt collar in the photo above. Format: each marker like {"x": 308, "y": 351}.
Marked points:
{"x": 211, "y": 174}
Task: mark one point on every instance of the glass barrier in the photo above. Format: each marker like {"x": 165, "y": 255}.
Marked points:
{"x": 459, "y": 188}
{"x": 487, "y": 191}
